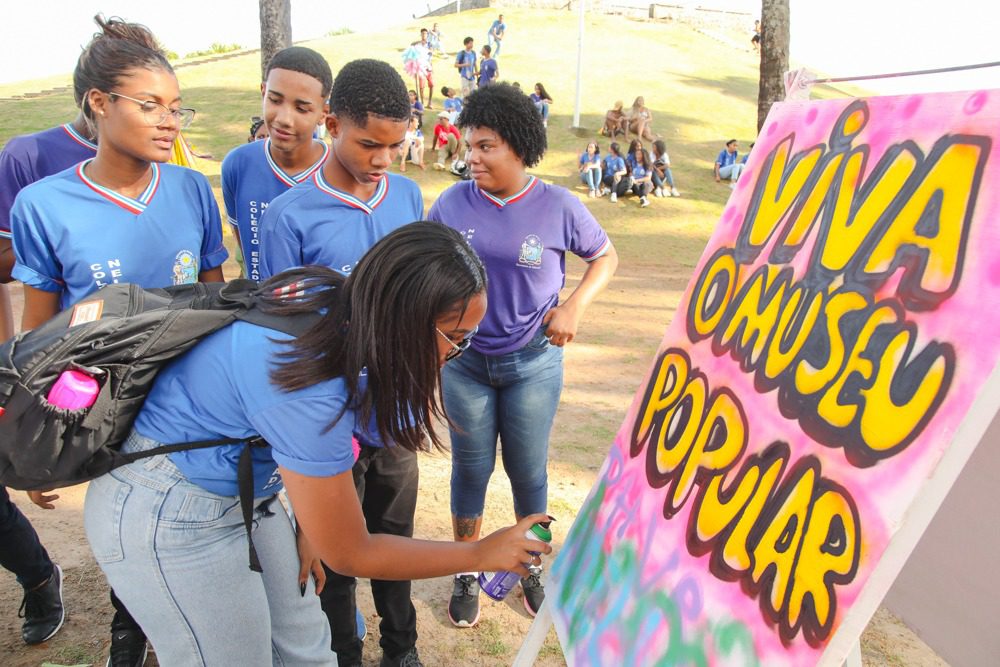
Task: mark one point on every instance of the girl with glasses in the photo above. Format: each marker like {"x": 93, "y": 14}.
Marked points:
{"x": 176, "y": 548}
{"x": 123, "y": 215}
{"x": 119, "y": 215}
{"x": 507, "y": 384}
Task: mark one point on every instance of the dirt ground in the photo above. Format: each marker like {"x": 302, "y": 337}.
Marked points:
{"x": 603, "y": 369}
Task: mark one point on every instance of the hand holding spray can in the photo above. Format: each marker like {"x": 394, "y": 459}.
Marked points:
{"x": 498, "y": 584}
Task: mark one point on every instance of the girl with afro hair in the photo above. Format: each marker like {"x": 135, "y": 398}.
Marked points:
{"x": 507, "y": 384}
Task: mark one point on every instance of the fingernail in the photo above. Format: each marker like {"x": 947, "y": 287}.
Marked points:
{"x": 302, "y": 589}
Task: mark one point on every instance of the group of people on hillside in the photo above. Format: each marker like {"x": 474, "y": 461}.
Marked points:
{"x": 467, "y": 301}
{"x": 639, "y": 171}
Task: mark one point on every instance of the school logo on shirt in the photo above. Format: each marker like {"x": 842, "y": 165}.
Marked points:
{"x": 531, "y": 252}
{"x": 185, "y": 268}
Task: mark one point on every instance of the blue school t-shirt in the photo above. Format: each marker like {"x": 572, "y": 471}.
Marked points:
{"x": 590, "y": 162}
{"x": 32, "y": 157}
{"x": 726, "y": 158}
{"x": 221, "y": 388}
{"x": 453, "y": 105}
{"x": 522, "y": 240}
{"x": 314, "y": 223}
{"x": 487, "y": 71}
{"x": 73, "y": 236}
{"x": 251, "y": 179}
{"x": 613, "y": 164}
{"x": 467, "y": 60}
{"x": 639, "y": 171}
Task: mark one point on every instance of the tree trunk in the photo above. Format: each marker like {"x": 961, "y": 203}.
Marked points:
{"x": 275, "y": 29}
{"x": 774, "y": 37}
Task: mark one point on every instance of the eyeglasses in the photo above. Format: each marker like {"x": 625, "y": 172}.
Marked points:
{"x": 457, "y": 348}
{"x": 155, "y": 113}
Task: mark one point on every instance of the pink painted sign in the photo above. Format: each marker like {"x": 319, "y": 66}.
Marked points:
{"x": 838, "y": 335}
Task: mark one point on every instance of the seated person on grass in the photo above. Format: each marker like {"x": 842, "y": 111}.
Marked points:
{"x": 447, "y": 140}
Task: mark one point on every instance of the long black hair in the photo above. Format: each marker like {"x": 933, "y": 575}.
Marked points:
{"x": 380, "y": 321}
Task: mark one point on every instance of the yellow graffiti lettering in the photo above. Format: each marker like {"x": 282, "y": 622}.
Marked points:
{"x": 753, "y": 314}
{"x": 780, "y": 191}
{"x": 779, "y": 357}
{"x": 830, "y": 409}
{"x": 847, "y": 232}
{"x": 684, "y": 420}
{"x": 778, "y": 548}
{"x": 829, "y": 553}
{"x": 666, "y": 388}
{"x": 934, "y": 219}
{"x": 808, "y": 378}
{"x": 721, "y": 438}
{"x": 886, "y": 423}
{"x": 711, "y": 300}
{"x": 738, "y": 508}
{"x": 800, "y": 225}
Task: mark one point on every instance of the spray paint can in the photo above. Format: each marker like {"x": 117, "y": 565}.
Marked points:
{"x": 498, "y": 584}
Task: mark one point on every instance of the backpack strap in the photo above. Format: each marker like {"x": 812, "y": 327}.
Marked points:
{"x": 293, "y": 325}
{"x": 244, "y": 476}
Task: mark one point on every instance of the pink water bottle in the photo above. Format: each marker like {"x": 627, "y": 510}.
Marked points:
{"x": 74, "y": 390}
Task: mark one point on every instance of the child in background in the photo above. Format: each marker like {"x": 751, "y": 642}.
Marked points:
{"x": 416, "y": 107}
{"x": 413, "y": 146}
{"x": 641, "y": 169}
{"x": 452, "y": 104}
{"x": 590, "y": 169}
{"x": 488, "y": 70}
{"x": 447, "y": 140}
{"x": 616, "y": 177}
{"x": 663, "y": 180}
{"x": 258, "y": 130}
{"x": 542, "y": 100}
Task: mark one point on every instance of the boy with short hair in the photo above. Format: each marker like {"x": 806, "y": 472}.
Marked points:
{"x": 452, "y": 104}
{"x": 488, "y": 70}
{"x": 465, "y": 62}
{"x": 332, "y": 220}
{"x": 295, "y": 89}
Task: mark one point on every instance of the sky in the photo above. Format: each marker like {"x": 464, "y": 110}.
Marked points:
{"x": 842, "y": 38}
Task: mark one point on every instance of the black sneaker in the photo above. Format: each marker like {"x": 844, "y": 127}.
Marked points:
{"x": 128, "y": 648}
{"x": 534, "y": 592}
{"x": 463, "y": 610}
{"x": 42, "y": 610}
{"x": 407, "y": 659}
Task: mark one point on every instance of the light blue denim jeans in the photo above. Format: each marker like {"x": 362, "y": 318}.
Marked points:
{"x": 591, "y": 178}
{"x": 543, "y": 108}
{"x": 513, "y": 396}
{"x": 177, "y": 556}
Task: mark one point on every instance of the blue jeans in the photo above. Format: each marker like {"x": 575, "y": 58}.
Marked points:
{"x": 667, "y": 180}
{"x": 543, "y": 108}
{"x": 512, "y": 396}
{"x": 177, "y": 556}
{"x": 591, "y": 178}
{"x": 494, "y": 44}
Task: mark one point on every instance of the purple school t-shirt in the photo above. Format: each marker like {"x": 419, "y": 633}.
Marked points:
{"x": 522, "y": 241}
{"x": 32, "y": 157}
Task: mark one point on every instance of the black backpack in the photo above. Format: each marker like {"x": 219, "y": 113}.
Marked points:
{"x": 122, "y": 335}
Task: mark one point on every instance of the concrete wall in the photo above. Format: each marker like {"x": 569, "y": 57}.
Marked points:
{"x": 949, "y": 589}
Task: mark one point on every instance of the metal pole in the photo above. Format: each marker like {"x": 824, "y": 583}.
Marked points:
{"x": 579, "y": 65}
